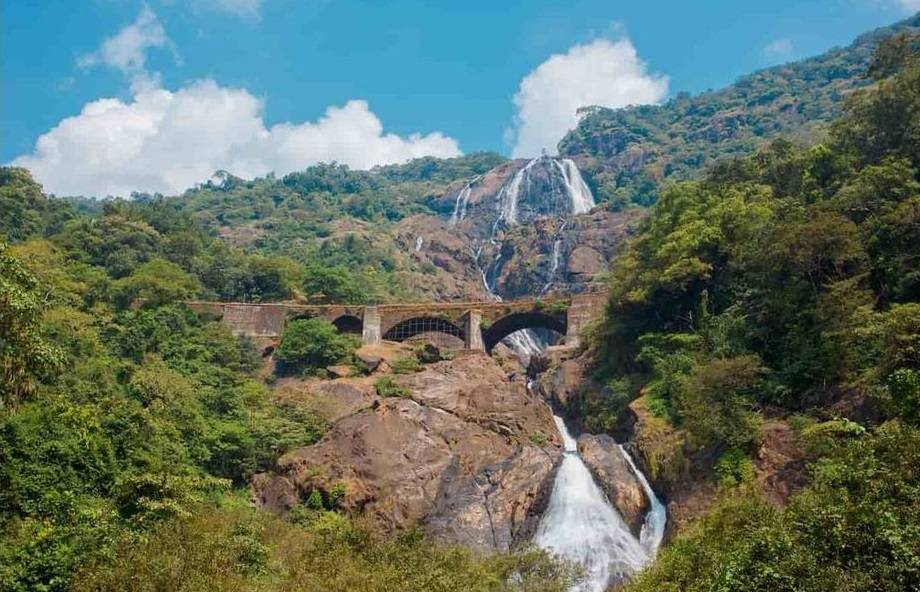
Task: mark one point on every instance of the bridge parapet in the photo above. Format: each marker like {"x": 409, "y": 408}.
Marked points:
{"x": 480, "y": 325}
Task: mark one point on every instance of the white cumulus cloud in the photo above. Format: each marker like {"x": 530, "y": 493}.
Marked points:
{"x": 909, "y": 5}
{"x": 603, "y": 72}
{"x": 166, "y": 141}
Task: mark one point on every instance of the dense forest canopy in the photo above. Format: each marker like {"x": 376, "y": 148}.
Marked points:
{"x": 787, "y": 284}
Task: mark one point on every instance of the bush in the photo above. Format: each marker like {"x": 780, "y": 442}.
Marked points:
{"x": 387, "y": 388}
{"x": 716, "y": 404}
{"x": 538, "y": 438}
{"x": 309, "y": 345}
{"x": 735, "y": 467}
{"x": 405, "y": 365}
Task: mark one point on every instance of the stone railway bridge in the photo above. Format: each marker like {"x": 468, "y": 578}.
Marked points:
{"x": 480, "y": 325}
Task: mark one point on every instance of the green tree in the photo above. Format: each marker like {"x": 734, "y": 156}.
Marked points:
{"x": 308, "y": 345}
{"x": 156, "y": 282}
{"x": 717, "y": 402}
{"x": 25, "y": 355}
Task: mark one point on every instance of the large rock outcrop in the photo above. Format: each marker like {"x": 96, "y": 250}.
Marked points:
{"x": 458, "y": 456}
{"x": 610, "y": 469}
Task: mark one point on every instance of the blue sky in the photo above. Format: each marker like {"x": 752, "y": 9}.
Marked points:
{"x": 157, "y": 95}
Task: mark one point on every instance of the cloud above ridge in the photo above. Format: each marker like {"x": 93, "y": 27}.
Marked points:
{"x": 604, "y": 72}
{"x": 166, "y": 141}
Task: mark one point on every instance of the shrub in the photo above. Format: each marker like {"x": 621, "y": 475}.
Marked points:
{"x": 715, "y": 404}
{"x": 538, "y": 438}
{"x": 405, "y": 365}
{"x": 309, "y": 345}
{"x": 735, "y": 467}
{"x": 387, "y": 388}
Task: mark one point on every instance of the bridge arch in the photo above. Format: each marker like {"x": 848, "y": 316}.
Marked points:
{"x": 413, "y": 326}
{"x": 348, "y": 323}
{"x": 532, "y": 319}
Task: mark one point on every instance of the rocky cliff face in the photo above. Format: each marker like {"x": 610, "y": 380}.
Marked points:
{"x": 468, "y": 455}
{"x": 524, "y": 228}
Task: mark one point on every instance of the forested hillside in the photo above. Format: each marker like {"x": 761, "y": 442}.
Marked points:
{"x": 784, "y": 286}
{"x": 630, "y": 155}
{"x": 128, "y": 435}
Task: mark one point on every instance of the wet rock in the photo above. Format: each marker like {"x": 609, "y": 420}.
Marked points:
{"x": 611, "y": 470}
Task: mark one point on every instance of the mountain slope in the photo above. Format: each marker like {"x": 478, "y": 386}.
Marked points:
{"x": 628, "y": 155}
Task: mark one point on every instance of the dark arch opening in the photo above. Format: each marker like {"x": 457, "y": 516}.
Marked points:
{"x": 349, "y": 324}
{"x": 505, "y": 326}
{"x": 411, "y": 327}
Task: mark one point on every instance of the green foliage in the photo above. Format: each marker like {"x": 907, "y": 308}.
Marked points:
{"x": 855, "y": 528}
{"x": 735, "y": 467}
{"x": 538, "y": 438}
{"x": 309, "y": 345}
{"x": 22, "y": 205}
{"x": 386, "y": 387}
{"x": 715, "y": 404}
{"x": 243, "y": 550}
{"x": 405, "y": 365}
{"x": 25, "y": 355}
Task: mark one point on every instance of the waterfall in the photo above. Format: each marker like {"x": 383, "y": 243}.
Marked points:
{"x": 653, "y": 527}
{"x": 509, "y": 193}
{"x": 575, "y": 186}
{"x": 463, "y": 200}
{"x": 557, "y": 245}
{"x": 580, "y": 524}
{"x": 419, "y": 241}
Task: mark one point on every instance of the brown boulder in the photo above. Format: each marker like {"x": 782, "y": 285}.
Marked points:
{"x": 456, "y": 458}
{"x": 611, "y": 470}
{"x": 368, "y": 362}
{"x": 340, "y": 371}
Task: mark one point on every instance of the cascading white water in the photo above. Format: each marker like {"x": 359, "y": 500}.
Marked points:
{"x": 557, "y": 245}
{"x": 576, "y": 189}
{"x": 509, "y": 193}
{"x": 419, "y": 241}
{"x": 463, "y": 200}
{"x": 580, "y": 195}
{"x": 655, "y": 520}
{"x": 580, "y": 524}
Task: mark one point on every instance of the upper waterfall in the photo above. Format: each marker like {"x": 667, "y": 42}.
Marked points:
{"x": 549, "y": 185}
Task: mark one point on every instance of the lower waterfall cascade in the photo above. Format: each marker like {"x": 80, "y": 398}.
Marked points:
{"x": 581, "y": 525}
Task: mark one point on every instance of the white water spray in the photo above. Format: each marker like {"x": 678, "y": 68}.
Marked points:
{"x": 463, "y": 200}
{"x": 578, "y": 191}
{"x": 580, "y": 525}
{"x": 653, "y": 526}
{"x": 557, "y": 245}
{"x": 419, "y": 241}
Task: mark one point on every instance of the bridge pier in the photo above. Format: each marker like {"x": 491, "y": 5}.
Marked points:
{"x": 472, "y": 331}
{"x": 583, "y": 308}
{"x": 370, "y": 329}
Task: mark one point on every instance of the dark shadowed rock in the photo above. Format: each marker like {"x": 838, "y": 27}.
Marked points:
{"x": 368, "y": 362}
